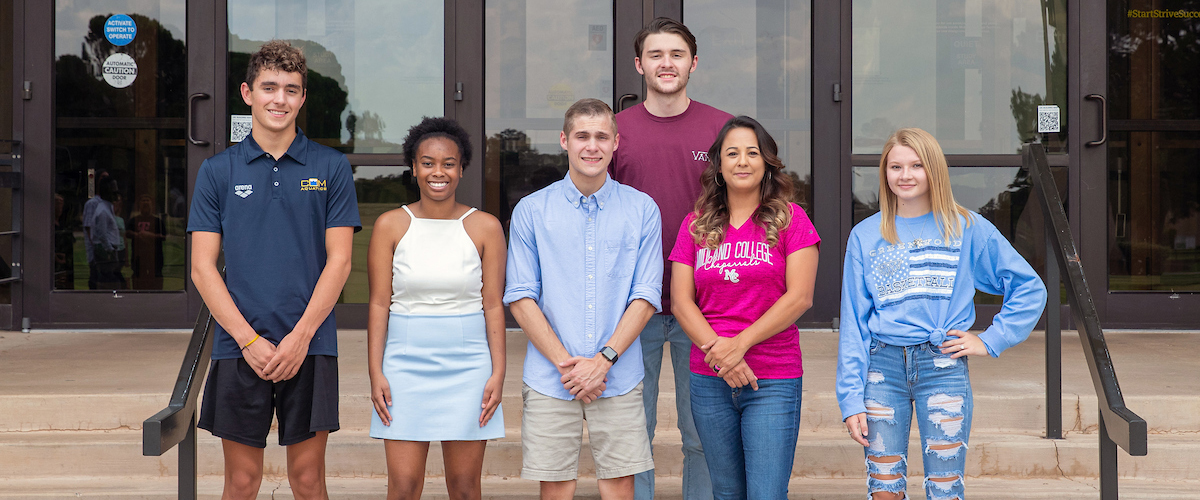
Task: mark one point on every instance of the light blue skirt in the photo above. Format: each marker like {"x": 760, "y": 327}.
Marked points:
{"x": 437, "y": 367}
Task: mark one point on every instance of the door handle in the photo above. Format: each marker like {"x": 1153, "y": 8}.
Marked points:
{"x": 621, "y": 101}
{"x": 190, "y": 117}
{"x": 1103, "y": 119}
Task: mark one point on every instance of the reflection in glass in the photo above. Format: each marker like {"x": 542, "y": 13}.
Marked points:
{"x": 542, "y": 56}
{"x": 756, "y": 60}
{"x": 1154, "y": 219}
{"x": 1002, "y": 195}
{"x": 375, "y": 67}
{"x": 1153, "y": 148}
{"x": 6, "y": 133}
{"x": 971, "y": 72}
{"x": 119, "y": 158}
{"x": 379, "y": 189}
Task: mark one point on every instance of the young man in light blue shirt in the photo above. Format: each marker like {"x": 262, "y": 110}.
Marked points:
{"x": 584, "y": 276}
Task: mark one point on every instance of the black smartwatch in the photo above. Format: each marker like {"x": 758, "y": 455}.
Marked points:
{"x": 610, "y": 354}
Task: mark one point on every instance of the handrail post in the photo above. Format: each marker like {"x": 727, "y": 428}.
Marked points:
{"x": 187, "y": 463}
{"x": 1053, "y": 342}
{"x": 1108, "y": 463}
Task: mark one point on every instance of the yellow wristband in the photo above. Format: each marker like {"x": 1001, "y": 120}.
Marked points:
{"x": 256, "y": 337}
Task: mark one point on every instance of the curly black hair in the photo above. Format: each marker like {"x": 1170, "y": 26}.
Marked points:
{"x": 437, "y": 127}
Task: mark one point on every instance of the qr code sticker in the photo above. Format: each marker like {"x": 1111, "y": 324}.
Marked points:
{"x": 239, "y": 127}
{"x": 1047, "y": 119}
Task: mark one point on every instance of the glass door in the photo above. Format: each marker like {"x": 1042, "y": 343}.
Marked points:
{"x": 119, "y": 162}
{"x": 975, "y": 74}
{"x": 1153, "y": 163}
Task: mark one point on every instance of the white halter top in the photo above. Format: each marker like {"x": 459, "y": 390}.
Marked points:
{"x": 436, "y": 269}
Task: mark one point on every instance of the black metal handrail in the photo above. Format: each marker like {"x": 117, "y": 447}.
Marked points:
{"x": 1118, "y": 425}
{"x": 176, "y": 424}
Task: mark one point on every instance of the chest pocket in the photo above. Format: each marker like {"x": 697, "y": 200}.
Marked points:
{"x": 620, "y": 253}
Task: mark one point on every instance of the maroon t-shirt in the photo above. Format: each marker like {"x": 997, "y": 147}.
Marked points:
{"x": 664, "y": 157}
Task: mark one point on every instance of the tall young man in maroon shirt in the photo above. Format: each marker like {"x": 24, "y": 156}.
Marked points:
{"x": 664, "y": 148}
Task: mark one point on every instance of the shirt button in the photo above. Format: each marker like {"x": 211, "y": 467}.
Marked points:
{"x": 276, "y": 169}
{"x": 276, "y": 183}
{"x": 589, "y": 219}
{"x": 589, "y": 306}
{"x": 589, "y": 276}
{"x": 589, "y": 248}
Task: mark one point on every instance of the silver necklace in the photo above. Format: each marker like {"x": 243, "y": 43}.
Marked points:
{"x": 919, "y": 239}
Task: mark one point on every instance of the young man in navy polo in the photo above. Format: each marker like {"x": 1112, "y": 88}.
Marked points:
{"x": 284, "y": 209}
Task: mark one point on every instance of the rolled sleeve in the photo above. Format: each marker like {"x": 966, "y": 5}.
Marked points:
{"x": 648, "y": 272}
{"x": 523, "y": 273}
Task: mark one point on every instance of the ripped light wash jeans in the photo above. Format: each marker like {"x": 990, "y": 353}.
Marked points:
{"x": 920, "y": 381}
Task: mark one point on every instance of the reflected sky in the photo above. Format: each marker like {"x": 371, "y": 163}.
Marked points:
{"x": 71, "y": 18}
{"x": 389, "y": 55}
{"x": 949, "y": 67}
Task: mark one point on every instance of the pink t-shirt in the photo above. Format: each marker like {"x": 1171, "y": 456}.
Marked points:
{"x": 739, "y": 281}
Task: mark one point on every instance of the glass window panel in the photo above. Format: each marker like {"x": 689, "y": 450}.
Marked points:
{"x": 541, "y": 57}
{"x": 379, "y": 189}
{"x": 1153, "y": 62}
{"x": 768, "y": 46}
{"x": 971, "y": 72}
{"x": 1002, "y": 195}
{"x": 1154, "y": 211}
{"x": 119, "y": 155}
{"x": 6, "y": 133}
{"x": 375, "y": 67}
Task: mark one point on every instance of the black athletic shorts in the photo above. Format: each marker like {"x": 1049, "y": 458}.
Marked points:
{"x": 239, "y": 406}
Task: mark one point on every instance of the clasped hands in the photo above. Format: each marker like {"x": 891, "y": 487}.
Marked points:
{"x": 725, "y": 356}
{"x": 276, "y": 363}
{"x": 585, "y": 378}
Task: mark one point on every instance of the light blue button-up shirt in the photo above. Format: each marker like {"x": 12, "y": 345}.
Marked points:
{"x": 584, "y": 259}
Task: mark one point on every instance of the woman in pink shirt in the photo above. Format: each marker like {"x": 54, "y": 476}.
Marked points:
{"x": 743, "y": 271}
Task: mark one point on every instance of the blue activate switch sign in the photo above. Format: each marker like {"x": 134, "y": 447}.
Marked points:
{"x": 120, "y": 29}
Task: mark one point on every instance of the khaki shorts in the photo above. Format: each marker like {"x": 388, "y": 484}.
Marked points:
{"x": 552, "y": 435}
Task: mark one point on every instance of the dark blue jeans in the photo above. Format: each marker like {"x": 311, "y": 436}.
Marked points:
{"x": 749, "y": 436}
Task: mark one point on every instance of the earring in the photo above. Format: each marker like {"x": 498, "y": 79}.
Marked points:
{"x": 768, "y": 175}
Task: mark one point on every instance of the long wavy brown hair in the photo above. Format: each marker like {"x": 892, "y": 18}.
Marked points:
{"x": 775, "y": 192}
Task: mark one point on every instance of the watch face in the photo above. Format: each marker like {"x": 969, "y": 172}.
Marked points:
{"x": 609, "y": 353}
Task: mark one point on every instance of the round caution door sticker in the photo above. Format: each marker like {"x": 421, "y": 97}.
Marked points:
{"x": 119, "y": 70}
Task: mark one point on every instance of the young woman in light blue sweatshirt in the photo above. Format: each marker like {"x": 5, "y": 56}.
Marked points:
{"x": 908, "y": 291}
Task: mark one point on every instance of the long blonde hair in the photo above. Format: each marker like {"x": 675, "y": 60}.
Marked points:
{"x": 937, "y": 173}
{"x": 774, "y": 212}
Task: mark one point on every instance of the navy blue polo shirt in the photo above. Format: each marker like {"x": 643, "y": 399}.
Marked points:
{"x": 272, "y": 214}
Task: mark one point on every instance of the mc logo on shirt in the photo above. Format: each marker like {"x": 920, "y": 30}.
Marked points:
{"x": 312, "y": 184}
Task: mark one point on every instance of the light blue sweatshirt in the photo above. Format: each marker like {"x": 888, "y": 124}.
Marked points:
{"x": 905, "y": 294}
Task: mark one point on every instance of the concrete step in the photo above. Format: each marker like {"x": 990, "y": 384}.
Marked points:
{"x": 818, "y": 455}
{"x": 50, "y": 376}
{"x": 72, "y": 403}
{"x": 276, "y": 488}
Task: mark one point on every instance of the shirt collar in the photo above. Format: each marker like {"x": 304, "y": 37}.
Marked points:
{"x": 573, "y": 194}
{"x": 298, "y": 151}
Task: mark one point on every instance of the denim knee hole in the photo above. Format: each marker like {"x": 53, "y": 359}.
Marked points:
{"x": 886, "y": 465}
{"x": 947, "y": 403}
{"x": 877, "y": 411}
{"x": 874, "y": 377}
{"x": 943, "y": 484}
{"x": 945, "y": 450}
{"x": 950, "y": 425}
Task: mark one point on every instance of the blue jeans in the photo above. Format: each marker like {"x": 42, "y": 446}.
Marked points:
{"x": 920, "y": 380}
{"x": 663, "y": 328}
{"x": 750, "y": 436}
